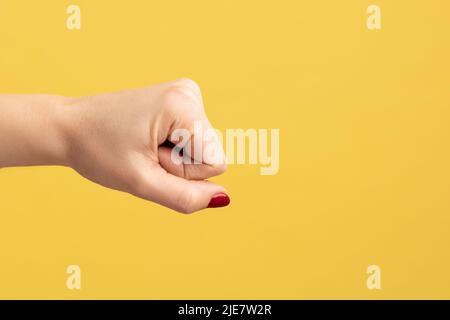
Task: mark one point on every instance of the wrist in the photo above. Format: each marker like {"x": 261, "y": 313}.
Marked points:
{"x": 65, "y": 114}
{"x": 35, "y": 130}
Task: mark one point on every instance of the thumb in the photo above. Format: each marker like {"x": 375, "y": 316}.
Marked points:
{"x": 185, "y": 196}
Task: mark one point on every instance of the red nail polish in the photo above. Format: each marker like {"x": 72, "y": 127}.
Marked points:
{"x": 219, "y": 200}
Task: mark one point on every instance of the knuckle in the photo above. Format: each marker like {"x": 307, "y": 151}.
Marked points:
{"x": 219, "y": 168}
{"x": 186, "y": 202}
{"x": 175, "y": 96}
{"x": 137, "y": 185}
{"x": 188, "y": 83}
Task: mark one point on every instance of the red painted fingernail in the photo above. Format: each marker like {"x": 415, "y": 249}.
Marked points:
{"x": 219, "y": 200}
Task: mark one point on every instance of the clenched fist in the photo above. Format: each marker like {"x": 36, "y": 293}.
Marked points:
{"x": 126, "y": 141}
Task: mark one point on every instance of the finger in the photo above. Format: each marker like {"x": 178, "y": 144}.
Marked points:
{"x": 183, "y": 166}
{"x": 192, "y": 131}
{"x": 179, "y": 194}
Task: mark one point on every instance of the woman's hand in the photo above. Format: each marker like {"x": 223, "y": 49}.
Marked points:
{"x": 118, "y": 140}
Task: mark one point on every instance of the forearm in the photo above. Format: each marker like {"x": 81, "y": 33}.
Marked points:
{"x": 33, "y": 130}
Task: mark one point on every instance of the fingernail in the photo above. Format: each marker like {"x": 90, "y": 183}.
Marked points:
{"x": 219, "y": 200}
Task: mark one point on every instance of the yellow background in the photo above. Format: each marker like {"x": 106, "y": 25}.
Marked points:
{"x": 364, "y": 122}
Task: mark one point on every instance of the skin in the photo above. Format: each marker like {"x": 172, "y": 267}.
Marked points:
{"x": 117, "y": 140}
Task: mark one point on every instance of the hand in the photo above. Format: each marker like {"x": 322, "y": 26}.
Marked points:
{"x": 119, "y": 140}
